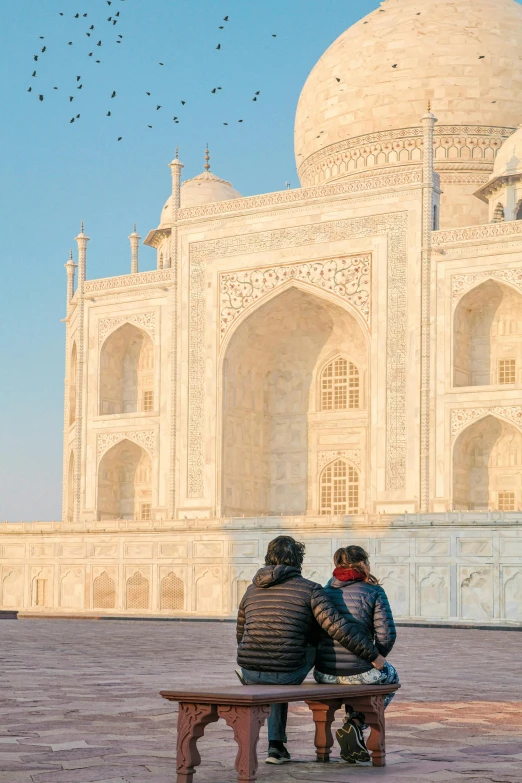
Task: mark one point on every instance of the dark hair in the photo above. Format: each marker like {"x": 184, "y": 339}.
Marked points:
{"x": 285, "y": 550}
{"x": 356, "y": 558}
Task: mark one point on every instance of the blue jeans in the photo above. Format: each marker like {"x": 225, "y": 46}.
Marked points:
{"x": 279, "y": 712}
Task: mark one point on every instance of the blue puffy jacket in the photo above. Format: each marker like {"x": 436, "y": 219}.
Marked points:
{"x": 368, "y": 604}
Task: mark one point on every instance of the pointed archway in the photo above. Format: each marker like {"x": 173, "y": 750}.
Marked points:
{"x": 126, "y": 372}
{"x": 487, "y": 467}
{"x": 487, "y": 336}
{"x": 125, "y": 483}
{"x": 294, "y": 356}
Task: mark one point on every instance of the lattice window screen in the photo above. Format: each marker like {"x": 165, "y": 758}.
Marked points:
{"x": 340, "y": 386}
{"x": 507, "y": 371}
{"x": 104, "y": 592}
{"x": 506, "y": 501}
{"x": 339, "y": 490}
{"x": 172, "y": 592}
{"x": 137, "y": 592}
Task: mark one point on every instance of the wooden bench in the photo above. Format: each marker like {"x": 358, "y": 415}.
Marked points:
{"x": 245, "y": 709}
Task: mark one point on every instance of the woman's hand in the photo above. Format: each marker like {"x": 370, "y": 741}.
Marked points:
{"x": 379, "y": 662}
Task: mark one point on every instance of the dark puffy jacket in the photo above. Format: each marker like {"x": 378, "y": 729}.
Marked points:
{"x": 369, "y": 605}
{"x": 280, "y": 615}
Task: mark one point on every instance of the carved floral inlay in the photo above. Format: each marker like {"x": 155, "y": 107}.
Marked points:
{"x": 126, "y": 281}
{"x": 476, "y": 233}
{"x": 352, "y": 455}
{"x": 146, "y": 321}
{"x": 348, "y": 277}
{"x": 462, "y": 283}
{"x": 461, "y": 417}
{"x": 145, "y": 438}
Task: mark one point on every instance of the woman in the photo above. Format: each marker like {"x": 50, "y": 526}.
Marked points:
{"x": 353, "y": 587}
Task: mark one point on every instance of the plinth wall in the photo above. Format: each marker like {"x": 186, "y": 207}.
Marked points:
{"x": 459, "y": 567}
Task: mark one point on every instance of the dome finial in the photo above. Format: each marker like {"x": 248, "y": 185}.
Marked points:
{"x": 177, "y": 153}
{"x": 429, "y": 105}
{"x": 207, "y": 158}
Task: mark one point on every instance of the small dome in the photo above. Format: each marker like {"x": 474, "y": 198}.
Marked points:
{"x": 509, "y": 156}
{"x": 203, "y": 189}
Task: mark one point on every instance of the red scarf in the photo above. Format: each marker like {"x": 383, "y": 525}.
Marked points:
{"x": 348, "y": 575}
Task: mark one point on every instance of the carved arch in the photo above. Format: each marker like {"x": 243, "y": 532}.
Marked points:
{"x": 307, "y": 288}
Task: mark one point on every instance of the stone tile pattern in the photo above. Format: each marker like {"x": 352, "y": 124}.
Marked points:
{"x": 79, "y": 703}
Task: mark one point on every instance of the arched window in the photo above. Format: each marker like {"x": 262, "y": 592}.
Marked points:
{"x": 339, "y": 488}
{"x": 518, "y": 210}
{"x": 340, "y": 386}
{"x": 498, "y": 214}
{"x": 172, "y": 592}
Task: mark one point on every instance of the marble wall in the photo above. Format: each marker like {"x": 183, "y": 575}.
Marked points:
{"x": 459, "y": 567}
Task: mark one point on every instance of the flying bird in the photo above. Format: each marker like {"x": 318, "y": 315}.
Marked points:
{"x": 98, "y": 61}
{"x": 42, "y": 37}
{"x": 214, "y": 90}
{"x": 218, "y": 46}
{"x": 70, "y": 43}
{"x": 30, "y": 89}
{"x": 221, "y": 27}
{"x": 240, "y": 120}
{"x": 113, "y": 94}
{"x": 274, "y": 36}
{"x": 147, "y": 93}
{"x": 80, "y": 86}
{"x": 158, "y": 107}
{"x": 337, "y": 79}
{"x": 55, "y": 88}
{"x": 225, "y": 123}
{"x": 40, "y": 97}
{"x": 161, "y": 63}
{"x": 254, "y": 99}
{"x": 149, "y": 126}
{"x": 108, "y": 114}
{"x": 44, "y": 49}
{"x": 225, "y": 18}
{"x": 71, "y": 99}
{"x": 70, "y": 121}
{"x": 77, "y": 116}
{"x": 119, "y": 35}
{"x": 258, "y": 93}
{"x": 91, "y": 27}
{"x": 34, "y": 73}
{"x": 183, "y": 103}
{"x": 35, "y": 58}
{"x": 88, "y": 35}
{"x": 78, "y": 78}
{"x": 120, "y": 138}
{"x": 90, "y": 54}
{"x": 61, "y": 13}
{"x": 76, "y": 16}
{"x": 99, "y": 43}
{"x": 394, "y": 66}
{"x": 482, "y": 56}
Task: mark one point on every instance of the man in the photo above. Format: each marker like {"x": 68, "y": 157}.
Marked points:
{"x": 278, "y": 628}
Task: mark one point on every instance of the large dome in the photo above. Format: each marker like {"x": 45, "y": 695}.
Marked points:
{"x": 377, "y": 78}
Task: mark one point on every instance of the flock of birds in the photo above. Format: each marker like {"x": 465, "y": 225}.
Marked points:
{"x": 114, "y": 19}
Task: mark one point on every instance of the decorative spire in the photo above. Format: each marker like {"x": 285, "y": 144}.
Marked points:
{"x": 134, "y": 243}
{"x": 207, "y": 159}
{"x": 81, "y": 232}
{"x": 177, "y": 153}
{"x": 429, "y": 105}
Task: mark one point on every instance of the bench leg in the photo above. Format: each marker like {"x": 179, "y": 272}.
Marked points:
{"x": 324, "y": 715}
{"x": 373, "y": 708}
{"x": 192, "y": 721}
{"x": 246, "y": 723}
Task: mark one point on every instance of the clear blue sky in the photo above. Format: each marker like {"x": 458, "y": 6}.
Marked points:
{"x": 55, "y": 173}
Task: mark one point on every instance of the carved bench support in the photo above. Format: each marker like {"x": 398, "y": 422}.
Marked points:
{"x": 246, "y": 723}
{"x": 192, "y": 721}
{"x": 324, "y": 715}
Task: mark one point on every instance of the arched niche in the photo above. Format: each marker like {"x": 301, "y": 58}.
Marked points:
{"x": 487, "y": 467}
{"x": 73, "y": 365}
{"x": 487, "y": 336}
{"x": 125, "y": 483}
{"x": 127, "y": 372}
{"x": 271, "y": 386}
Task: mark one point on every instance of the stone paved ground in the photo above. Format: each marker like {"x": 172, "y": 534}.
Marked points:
{"x": 79, "y": 703}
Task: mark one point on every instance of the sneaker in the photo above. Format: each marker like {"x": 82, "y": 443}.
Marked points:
{"x": 276, "y": 756}
{"x": 240, "y": 677}
{"x": 352, "y": 744}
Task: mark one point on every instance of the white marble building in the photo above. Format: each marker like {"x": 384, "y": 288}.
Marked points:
{"x": 342, "y": 360}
